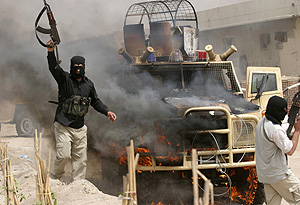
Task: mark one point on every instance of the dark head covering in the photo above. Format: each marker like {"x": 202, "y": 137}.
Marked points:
{"x": 276, "y": 109}
{"x": 77, "y": 60}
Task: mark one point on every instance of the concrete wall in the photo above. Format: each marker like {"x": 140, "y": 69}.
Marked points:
{"x": 247, "y": 13}
{"x": 262, "y": 42}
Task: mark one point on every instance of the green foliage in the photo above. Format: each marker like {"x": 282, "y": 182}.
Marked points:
{"x": 12, "y": 190}
{"x": 53, "y": 195}
{"x": 22, "y": 197}
{"x": 16, "y": 183}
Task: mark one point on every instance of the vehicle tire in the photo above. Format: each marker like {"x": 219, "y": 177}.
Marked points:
{"x": 162, "y": 187}
{"x": 112, "y": 178}
{"x": 241, "y": 180}
{"x": 26, "y": 124}
{"x": 260, "y": 196}
{"x": 145, "y": 187}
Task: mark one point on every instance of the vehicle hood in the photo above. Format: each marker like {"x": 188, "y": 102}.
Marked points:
{"x": 234, "y": 104}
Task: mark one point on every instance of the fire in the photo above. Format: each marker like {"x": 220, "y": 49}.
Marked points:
{"x": 189, "y": 151}
{"x": 182, "y": 174}
{"x": 223, "y": 176}
{"x": 161, "y": 139}
{"x": 160, "y": 203}
{"x": 143, "y": 160}
{"x": 123, "y": 160}
{"x": 232, "y": 173}
{"x": 120, "y": 151}
{"x": 162, "y": 145}
{"x": 169, "y": 157}
{"x": 249, "y": 194}
{"x": 162, "y": 151}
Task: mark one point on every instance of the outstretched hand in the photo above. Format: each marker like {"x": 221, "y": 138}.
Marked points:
{"x": 111, "y": 116}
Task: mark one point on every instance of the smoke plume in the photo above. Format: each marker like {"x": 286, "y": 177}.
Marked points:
{"x": 85, "y": 28}
{"x": 83, "y": 31}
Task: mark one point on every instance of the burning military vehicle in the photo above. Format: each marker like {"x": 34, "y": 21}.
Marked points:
{"x": 206, "y": 109}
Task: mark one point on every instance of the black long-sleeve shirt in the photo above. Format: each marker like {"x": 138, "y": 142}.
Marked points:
{"x": 68, "y": 86}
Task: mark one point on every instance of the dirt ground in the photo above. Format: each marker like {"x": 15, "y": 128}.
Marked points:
{"x": 24, "y": 170}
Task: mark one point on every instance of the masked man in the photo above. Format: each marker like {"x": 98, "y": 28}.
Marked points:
{"x": 272, "y": 146}
{"x": 75, "y": 93}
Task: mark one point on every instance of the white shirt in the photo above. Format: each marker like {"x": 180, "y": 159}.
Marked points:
{"x": 271, "y": 144}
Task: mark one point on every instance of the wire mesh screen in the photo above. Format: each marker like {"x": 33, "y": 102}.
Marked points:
{"x": 244, "y": 133}
{"x": 185, "y": 11}
{"x": 158, "y": 11}
{"x": 197, "y": 75}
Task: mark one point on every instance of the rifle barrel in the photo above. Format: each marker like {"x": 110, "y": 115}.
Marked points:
{"x": 290, "y": 87}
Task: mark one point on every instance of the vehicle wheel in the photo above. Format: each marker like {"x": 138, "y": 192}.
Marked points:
{"x": 111, "y": 176}
{"x": 145, "y": 187}
{"x": 260, "y": 196}
{"x": 245, "y": 192}
{"x": 25, "y": 124}
{"x": 162, "y": 187}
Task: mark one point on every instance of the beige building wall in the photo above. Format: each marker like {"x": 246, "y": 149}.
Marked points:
{"x": 290, "y": 54}
{"x": 264, "y": 35}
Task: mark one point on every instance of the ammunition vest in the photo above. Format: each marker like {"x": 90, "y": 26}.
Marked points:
{"x": 76, "y": 105}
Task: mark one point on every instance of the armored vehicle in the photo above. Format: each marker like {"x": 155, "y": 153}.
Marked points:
{"x": 209, "y": 111}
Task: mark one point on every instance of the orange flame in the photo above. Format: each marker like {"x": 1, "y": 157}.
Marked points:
{"x": 161, "y": 139}
{"x": 144, "y": 160}
{"x": 169, "y": 157}
{"x": 249, "y": 194}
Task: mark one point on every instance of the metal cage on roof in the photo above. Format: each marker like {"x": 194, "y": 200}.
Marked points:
{"x": 177, "y": 12}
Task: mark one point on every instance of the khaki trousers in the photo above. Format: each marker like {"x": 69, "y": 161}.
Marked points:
{"x": 70, "y": 144}
{"x": 288, "y": 188}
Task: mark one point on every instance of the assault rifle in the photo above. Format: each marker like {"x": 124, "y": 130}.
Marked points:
{"x": 293, "y": 113}
{"x": 52, "y": 31}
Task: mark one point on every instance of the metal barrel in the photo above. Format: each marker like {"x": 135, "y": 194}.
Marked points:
{"x": 211, "y": 54}
{"x": 227, "y": 53}
{"x": 148, "y": 52}
{"x": 127, "y": 56}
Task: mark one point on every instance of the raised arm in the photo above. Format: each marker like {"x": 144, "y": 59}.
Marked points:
{"x": 56, "y": 71}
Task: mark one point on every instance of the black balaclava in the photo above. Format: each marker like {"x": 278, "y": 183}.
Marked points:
{"x": 77, "y": 60}
{"x": 276, "y": 109}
